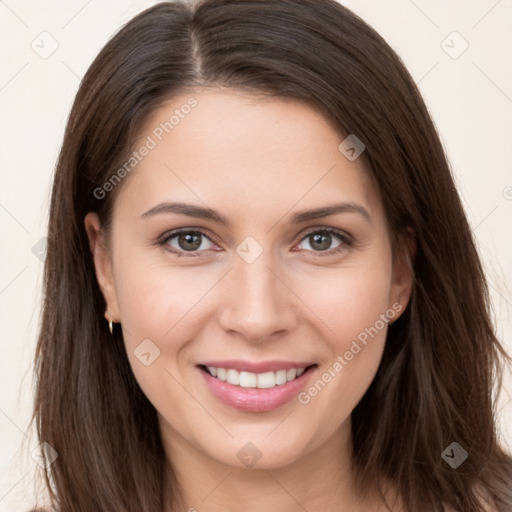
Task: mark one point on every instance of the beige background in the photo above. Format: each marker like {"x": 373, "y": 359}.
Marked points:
{"x": 470, "y": 98}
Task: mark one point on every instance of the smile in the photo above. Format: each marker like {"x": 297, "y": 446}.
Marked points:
{"x": 256, "y": 387}
{"x": 264, "y": 380}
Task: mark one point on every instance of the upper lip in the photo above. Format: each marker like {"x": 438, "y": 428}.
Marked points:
{"x": 257, "y": 367}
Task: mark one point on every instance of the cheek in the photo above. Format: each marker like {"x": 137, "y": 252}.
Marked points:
{"x": 356, "y": 346}
{"x": 155, "y": 299}
{"x": 159, "y": 307}
{"x": 349, "y": 300}
{"x": 352, "y": 304}
{"x": 163, "y": 312}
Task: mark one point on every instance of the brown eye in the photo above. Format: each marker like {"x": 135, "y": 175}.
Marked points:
{"x": 322, "y": 240}
{"x": 187, "y": 241}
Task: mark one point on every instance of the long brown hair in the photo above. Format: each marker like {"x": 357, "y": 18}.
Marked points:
{"x": 442, "y": 360}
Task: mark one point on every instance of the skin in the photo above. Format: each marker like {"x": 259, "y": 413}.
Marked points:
{"x": 256, "y": 162}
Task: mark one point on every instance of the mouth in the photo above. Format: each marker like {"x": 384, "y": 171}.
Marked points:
{"x": 262, "y": 380}
{"x": 256, "y": 391}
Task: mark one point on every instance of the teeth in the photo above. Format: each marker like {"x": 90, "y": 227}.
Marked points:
{"x": 255, "y": 380}
{"x": 247, "y": 379}
{"x": 233, "y": 377}
{"x": 281, "y": 377}
{"x": 266, "y": 380}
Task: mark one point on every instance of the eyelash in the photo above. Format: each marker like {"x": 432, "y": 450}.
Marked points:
{"x": 165, "y": 238}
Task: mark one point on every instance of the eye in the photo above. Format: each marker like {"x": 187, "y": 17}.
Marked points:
{"x": 185, "y": 241}
{"x": 189, "y": 242}
{"x": 321, "y": 239}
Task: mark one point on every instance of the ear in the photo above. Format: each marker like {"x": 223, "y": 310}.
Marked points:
{"x": 403, "y": 270}
{"x": 103, "y": 265}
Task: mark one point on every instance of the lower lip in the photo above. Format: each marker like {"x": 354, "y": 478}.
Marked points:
{"x": 255, "y": 399}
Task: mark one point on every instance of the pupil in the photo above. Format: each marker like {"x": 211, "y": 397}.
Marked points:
{"x": 323, "y": 241}
{"x": 192, "y": 239}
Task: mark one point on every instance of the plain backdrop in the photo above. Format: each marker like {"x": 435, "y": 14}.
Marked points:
{"x": 457, "y": 51}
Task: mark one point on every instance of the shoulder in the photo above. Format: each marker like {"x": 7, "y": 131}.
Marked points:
{"x": 485, "y": 507}
{"x": 485, "y": 502}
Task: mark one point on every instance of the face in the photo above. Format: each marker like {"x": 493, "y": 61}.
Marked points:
{"x": 245, "y": 241}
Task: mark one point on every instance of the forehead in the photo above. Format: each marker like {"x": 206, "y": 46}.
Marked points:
{"x": 251, "y": 152}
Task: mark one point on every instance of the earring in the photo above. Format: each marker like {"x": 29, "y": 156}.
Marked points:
{"x": 110, "y": 323}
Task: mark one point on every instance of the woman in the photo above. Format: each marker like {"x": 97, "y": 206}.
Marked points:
{"x": 251, "y": 300}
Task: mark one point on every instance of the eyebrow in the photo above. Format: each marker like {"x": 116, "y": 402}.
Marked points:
{"x": 298, "y": 218}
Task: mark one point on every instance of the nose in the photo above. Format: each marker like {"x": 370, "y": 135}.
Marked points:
{"x": 258, "y": 305}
